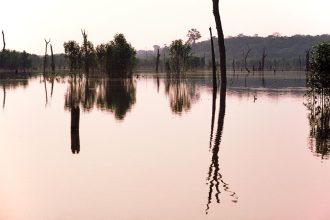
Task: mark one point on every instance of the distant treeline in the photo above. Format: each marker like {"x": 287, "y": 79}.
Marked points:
{"x": 11, "y": 60}
{"x": 281, "y": 52}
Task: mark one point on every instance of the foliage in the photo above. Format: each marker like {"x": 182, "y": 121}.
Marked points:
{"x": 320, "y": 58}
{"x": 73, "y": 53}
{"x": 193, "y": 35}
{"x": 120, "y": 57}
{"x": 179, "y": 55}
{"x": 14, "y": 60}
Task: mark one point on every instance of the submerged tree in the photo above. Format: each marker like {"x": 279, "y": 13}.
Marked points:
{"x": 179, "y": 54}
{"x": 72, "y": 52}
{"x": 120, "y": 57}
{"x": 318, "y": 98}
{"x": 221, "y": 42}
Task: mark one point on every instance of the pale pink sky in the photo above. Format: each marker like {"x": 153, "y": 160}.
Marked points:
{"x": 149, "y": 22}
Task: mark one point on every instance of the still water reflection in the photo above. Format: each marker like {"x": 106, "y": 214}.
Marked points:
{"x": 144, "y": 147}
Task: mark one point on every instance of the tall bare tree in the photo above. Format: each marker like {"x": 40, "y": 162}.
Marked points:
{"x": 221, "y": 42}
{"x": 214, "y": 67}
{"x": 45, "y": 58}
{"x": 53, "y": 62}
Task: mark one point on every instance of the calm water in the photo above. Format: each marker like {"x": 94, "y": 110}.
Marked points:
{"x": 147, "y": 149}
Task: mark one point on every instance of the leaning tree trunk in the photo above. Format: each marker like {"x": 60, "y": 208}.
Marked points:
{"x": 53, "y": 63}
{"x": 214, "y": 67}
{"x": 221, "y": 41}
{"x": 4, "y": 42}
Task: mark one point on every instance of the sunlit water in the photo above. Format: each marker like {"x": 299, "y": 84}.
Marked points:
{"x": 141, "y": 149}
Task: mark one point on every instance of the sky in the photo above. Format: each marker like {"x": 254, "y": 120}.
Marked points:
{"x": 145, "y": 23}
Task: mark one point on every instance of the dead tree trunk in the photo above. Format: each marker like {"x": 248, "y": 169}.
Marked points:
{"x": 234, "y": 65}
{"x": 157, "y": 60}
{"x": 245, "y": 58}
{"x": 221, "y": 42}
{"x": 45, "y": 58}
{"x": 307, "y": 61}
{"x": 214, "y": 67}
{"x": 263, "y": 59}
{"x": 4, "y": 42}
{"x": 53, "y": 63}
{"x": 299, "y": 63}
{"x": 86, "y": 54}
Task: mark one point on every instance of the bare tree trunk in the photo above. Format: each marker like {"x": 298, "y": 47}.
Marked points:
{"x": 234, "y": 65}
{"x": 245, "y": 58}
{"x": 221, "y": 41}
{"x": 86, "y": 58}
{"x": 299, "y": 63}
{"x": 307, "y": 61}
{"x": 45, "y": 58}
{"x": 214, "y": 67}
{"x": 53, "y": 63}
{"x": 4, "y": 42}
{"x": 157, "y": 61}
{"x": 263, "y": 59}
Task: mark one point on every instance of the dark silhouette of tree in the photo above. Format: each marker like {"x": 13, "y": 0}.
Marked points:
{"x": 73, "y": 53}
{"x": 101, "y": 53}
{"x": 53, "y": 62}
{"x": 45, "y": 58}
{"x": 4, "y": 42}
{"x": 318, "y": 99}
{"x": 214, "y": 67}
{"x": 215, "y": 178}
{"x": 179, "y": 55}
{"x": 221, "y": 42}
{"x": 193, "y": 35}
{"x": 120, "y": 57}
{"x": 157, "y": 60}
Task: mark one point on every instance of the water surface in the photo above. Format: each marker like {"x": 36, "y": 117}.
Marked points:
{"x": 145, "y": 148}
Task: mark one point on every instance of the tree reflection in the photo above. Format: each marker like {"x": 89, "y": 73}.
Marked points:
{"x": 181, "y": 94}
{"x": 117, "y": 96}
{"x": 318, "y": 105}
{"x": 72, "y": 102}
{"x": 215, "y": 178}
{"x": 8, "y": 82}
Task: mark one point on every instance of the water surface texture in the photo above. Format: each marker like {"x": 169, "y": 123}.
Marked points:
{"x": 159, "y": 148}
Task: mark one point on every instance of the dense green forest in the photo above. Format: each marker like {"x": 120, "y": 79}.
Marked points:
{"x": 281, "y": 52}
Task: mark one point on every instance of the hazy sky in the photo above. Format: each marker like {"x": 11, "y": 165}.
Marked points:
{"x": 148, "y": 22}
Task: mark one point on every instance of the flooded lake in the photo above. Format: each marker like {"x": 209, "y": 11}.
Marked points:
{"x": 159, "y": 148}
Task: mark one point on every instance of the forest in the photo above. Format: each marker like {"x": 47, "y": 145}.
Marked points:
{"x": 279, "y": 52}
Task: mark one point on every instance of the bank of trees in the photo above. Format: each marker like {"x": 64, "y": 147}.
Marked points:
{"x": 116, "y": 58}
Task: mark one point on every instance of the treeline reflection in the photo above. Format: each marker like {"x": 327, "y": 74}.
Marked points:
{"x": 182, "y": 94}
{"x": 116, "y": 96}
